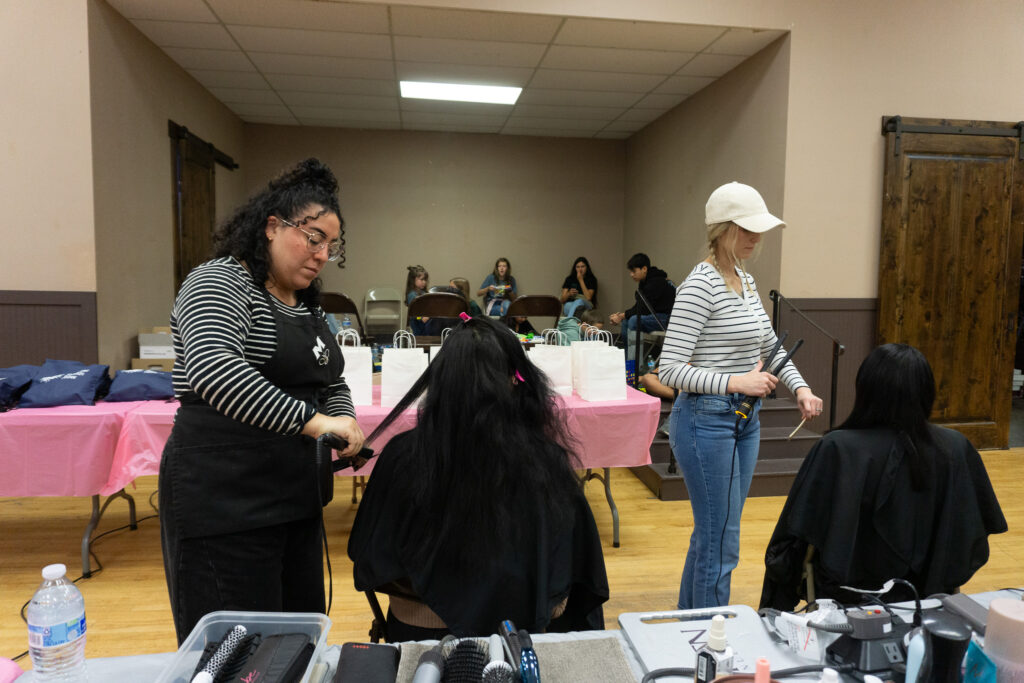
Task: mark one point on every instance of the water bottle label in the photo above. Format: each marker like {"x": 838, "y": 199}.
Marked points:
{"x": 58, "y": 634}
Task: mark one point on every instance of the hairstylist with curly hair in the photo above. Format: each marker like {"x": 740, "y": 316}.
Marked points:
{"x": 258, "y": 375}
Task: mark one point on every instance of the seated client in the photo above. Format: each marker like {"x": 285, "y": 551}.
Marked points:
{"x": 886, "y": 495}
{"x": 476, "y": 515}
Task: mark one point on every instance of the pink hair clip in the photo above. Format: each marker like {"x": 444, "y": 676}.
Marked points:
{"x": 520, "y": 377}
{"x": 465, "y": 317}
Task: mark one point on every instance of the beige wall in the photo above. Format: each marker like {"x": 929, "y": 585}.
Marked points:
{"x": 136, "y": 88}
{"x": 735, "y": 129}
{"x": 46, "y": 167}
{"x": 454, "y": 203}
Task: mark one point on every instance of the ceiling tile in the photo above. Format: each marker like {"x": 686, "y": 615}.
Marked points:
{"x": 245, "y": 95}
{"x": 222, "y": 60}
{"x": 272, "y": 120}
{"x": 644, "y": 115}
{"x": 441, "y": 106}
{"x": 228, "y": 79}
{"x": 473, "y": 25}
{"x": 186, "y": 34}
{"x": 327, "y": 84}
{"x": 546, "y": 132}
{"x": 305, "y": 42}
{"x": 451, "y": 128}
{"x": 182, "y": 10}
{"x": 350, "y": 123}
{"x": 613, "y": 135}
{"x": 655, "y": 101}
{"x": 253, "y": 109}
{"x": 447, "y": 51}
{"x": 568, "y": 112}
{"x": 710, "y": 65}
{"x": 578, "y": 97}
{"x": 594, "y": 80}
{"x": 325, "y": 16}
{"x": 614, "y": 59}
{"x": 637, "y": 34}
{"x": 309, "y": 65}
{"x": 340, "y": 114}
{"x": 338, "y": 100}
{"x": 683, "y": 85}
{"x": 545, "y": 122}
{"x": 744, "y": 41}
{"x": 625, "y": 126}
{"x": 463, "y": 73}
{"x": 421, "y": 117}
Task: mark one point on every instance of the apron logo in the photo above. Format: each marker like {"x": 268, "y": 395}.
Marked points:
{"x": 321, "y": 352}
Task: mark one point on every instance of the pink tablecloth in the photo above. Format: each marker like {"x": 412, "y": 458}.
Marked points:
{"x": 84, "y": 450}
{"x": 62, "y": 451}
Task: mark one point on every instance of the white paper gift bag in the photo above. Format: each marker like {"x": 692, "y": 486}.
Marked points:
{"x": 602, "y": 373}
{"x": 399, "y": 370}
{"x": 577, "y": 348}
{"x": 556, "y": 363}
{"x": 358, "y": 373}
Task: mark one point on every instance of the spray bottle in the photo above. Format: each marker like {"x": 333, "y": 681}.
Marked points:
{"x": 715, "y": 658}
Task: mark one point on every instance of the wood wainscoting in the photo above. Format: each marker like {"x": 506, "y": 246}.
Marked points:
{"x": 41, "y": 325}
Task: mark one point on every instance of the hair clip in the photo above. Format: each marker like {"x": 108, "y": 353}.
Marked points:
{"x": 519, "y": 377}
{"x": 465, "y": 317}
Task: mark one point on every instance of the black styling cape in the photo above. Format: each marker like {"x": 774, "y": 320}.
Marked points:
{"x": 853, "y": 501}
{"x": 524, "y": 584}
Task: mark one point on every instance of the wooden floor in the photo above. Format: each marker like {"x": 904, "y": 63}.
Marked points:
{"x": 127, "y": 607}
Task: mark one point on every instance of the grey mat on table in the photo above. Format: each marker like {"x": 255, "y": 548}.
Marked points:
{"x": 597, "y": 660}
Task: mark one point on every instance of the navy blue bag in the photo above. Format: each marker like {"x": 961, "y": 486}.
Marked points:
{"x": 13, "y": 382}
{"x": 66, "y": 383}
{"x": 140, "y": 385}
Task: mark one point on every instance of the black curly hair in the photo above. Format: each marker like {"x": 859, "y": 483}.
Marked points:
{"x": 243, "y": 235}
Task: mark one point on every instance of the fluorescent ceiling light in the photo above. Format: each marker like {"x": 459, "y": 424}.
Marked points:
{"x": 455, "y": 92}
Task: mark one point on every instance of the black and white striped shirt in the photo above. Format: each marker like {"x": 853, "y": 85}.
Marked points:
{"x": 223, "y": 329}
{"x": 715, "y": 333}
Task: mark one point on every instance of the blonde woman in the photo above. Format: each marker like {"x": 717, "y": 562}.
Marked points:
{"x": 715, "y": 351}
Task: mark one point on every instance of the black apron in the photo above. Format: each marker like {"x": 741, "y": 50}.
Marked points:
{"x": 227, "y": 476}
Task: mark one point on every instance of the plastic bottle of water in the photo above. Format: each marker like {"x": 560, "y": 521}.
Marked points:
{"x": 346, "y": 323}
{"x": 56, "y": 628}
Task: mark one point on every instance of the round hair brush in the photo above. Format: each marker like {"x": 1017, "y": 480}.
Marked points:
{"x": 497, "y": 670}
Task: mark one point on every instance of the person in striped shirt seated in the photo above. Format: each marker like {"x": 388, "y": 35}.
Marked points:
{"x": 259, "y": 377}
{"x": 715, "y": 351}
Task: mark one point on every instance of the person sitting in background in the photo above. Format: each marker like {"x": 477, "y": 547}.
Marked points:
{"x": 416, "y": 283}
{"x": 460, "y": 285}
{"x": 575, "y": 329}
{"x": 498, "y": 288}
{"x": 476, "y": 514}
{"x": 520, "y": 324}
{"x": 579, "y": 291}
{"x": 652, "y": 282}
{"x": 886, "y": 495}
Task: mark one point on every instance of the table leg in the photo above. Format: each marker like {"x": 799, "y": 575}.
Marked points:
{"x": 607, "y": 479}
{"x": 94, "y": 519}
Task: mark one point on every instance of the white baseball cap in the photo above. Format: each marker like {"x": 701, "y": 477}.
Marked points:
{"x": 742, "y": 205}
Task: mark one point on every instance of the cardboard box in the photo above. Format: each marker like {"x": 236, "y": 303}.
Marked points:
{"x": 165, "y": 364}
{"x": 156, "y": 344}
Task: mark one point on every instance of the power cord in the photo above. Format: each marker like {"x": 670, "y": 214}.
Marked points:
{"x": 781, "y": 673}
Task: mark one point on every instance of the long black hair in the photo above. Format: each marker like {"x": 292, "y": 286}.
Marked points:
{"x": 487, "y": 441}
{"x": 895, "y": 389}
{"x": 589, "y": 279}
{"x": 244, "y": 236}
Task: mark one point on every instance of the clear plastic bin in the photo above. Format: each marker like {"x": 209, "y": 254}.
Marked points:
{"x": 215, "y": 625}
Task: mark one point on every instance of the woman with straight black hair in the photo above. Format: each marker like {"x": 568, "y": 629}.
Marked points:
{"x": 579, "y": 290}
{"x": 476, "y": 515}
{"x": 886, "y": 495}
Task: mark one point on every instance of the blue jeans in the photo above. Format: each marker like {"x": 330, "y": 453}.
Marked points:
{"x": 647, "y": 322}
{"x": 574, "y": 307}
{"x": 497, "y": 306}
{"x": 717, "y": 467}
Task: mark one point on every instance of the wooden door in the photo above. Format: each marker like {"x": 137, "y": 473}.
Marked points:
{"x": 949, "y": 276}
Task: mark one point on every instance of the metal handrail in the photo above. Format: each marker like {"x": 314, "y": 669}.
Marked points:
{"x": 837, "y": 348}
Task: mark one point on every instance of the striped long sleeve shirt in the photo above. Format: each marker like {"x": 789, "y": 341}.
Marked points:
{"x": 223, "y": 330}
{"x": 715, "y": 333}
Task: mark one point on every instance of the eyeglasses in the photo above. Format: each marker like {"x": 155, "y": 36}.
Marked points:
{"x": 316, "y": 241}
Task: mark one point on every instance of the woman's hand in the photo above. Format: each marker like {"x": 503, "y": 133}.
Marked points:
{"x": 753, "y": 383}
{"x": 345, "y": 427}
{"x": 810, "y": 405}
{"x": 616, "y": 318}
